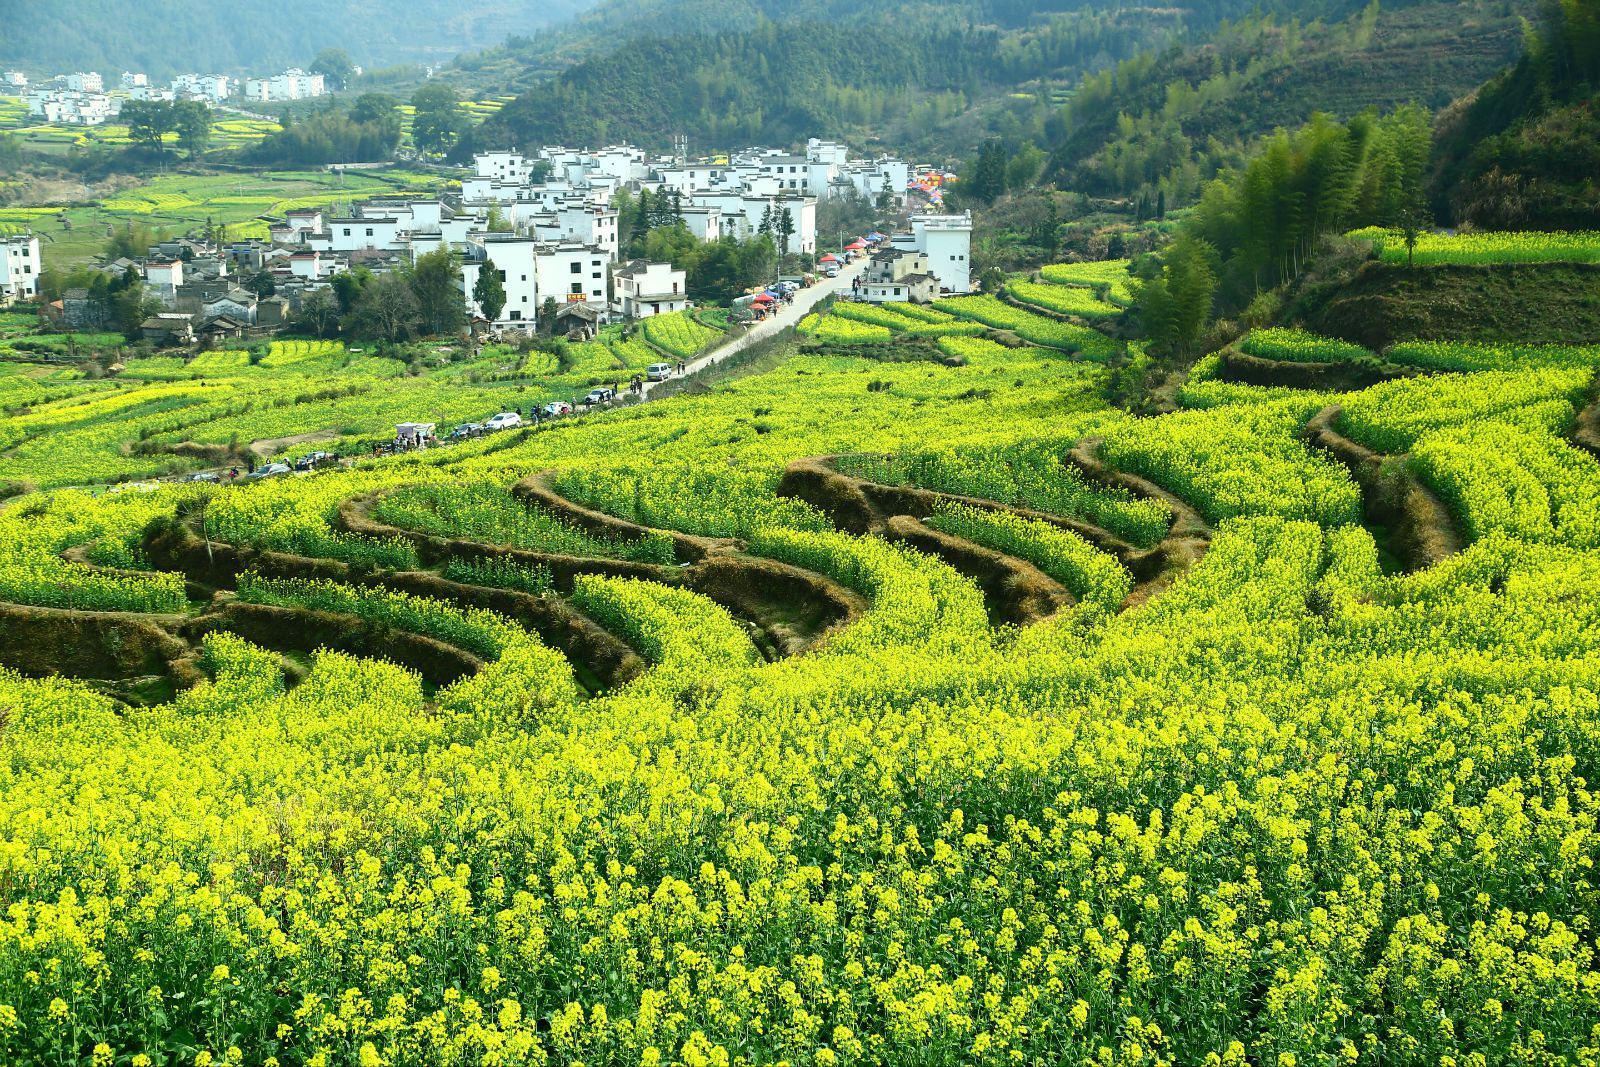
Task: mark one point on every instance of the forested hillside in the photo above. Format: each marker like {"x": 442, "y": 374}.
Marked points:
{"x": 1170, "y": 120}
{"x": 163, "y": 37}
{"x": 782, "y": 81}
{"x": 902, "y": 71}
{"x": 1525, "y": 152}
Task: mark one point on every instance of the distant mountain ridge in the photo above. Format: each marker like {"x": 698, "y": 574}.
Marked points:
{"x": 163, "y": 37}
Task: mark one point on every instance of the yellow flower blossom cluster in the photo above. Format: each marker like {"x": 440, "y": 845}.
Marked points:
{"x": 1291, "y": 808}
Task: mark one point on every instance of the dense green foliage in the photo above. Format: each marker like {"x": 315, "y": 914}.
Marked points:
{"x": 1524, "y": 152}
{"x": 1170, "y": 120}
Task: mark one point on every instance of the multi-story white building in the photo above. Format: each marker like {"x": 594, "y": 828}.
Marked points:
{"x": 292, "y": 84}
{"x": 212, "y": 87}
{"x": 14, "y": 79}
{"x": 130, "y": 80}
{"x": 573, "y": 273}
{"x": 20, "y": 264}
{"x": 532, "y": 271}
{"x": 514, "y": 258}
{"x": 162, "y": 277}
{"x": 358, "y": 234}
{"x": 511, "y": 167}
{"x": 646, "y": 289}
{"x": 704, "y": 222}
{"x": 947, "y": 242}
{"x": 71, "y": 107}
{"x": 86, "y": 82}
{"x": 149, "y": 92}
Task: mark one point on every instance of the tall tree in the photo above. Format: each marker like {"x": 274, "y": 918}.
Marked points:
{"x": 319, "y": 313}
{"x": 148, "y": 122}
{"x": 335, "y": 67}
{"x": 783, "y": 229}
{"x": 988, "y": 177}
{"x": 489, "y": 291}
{"x": 386, "y": 309}
{"x": 191, "y": 120}
{"x": 436, "y": 283}
{"x": 438, "y": 122}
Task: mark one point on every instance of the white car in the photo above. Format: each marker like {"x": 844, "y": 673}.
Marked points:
{"x": 658, "y": 372}
{"x": 503, "y": 421}
{"x": 271, "y": 470}
{"x": 556, "y": 407}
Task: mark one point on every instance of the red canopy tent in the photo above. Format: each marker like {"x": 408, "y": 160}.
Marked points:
{"x": 855, "y": 246}
{"x": 829, "y": 258}
{"x": 764, "y": 298}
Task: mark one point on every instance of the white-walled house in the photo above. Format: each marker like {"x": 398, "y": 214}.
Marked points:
{"x": 163, "y": 276}
{"x": 307, "y": 265}
{"x": 212, "y": 87}
{"x": 359, "y": 234}
{"x": 19, "y": 273}
{"x": 646, "y": 289}
{"x": 947, "y": 241}
{"x": 704, "y": 222}
{"x": 513, "y": 168}
{"x": 86, "y": 82}
{"x": 514, "y": 258}
{"x": 292, "y": 84}
{"x": 305, "y": 222}
{"x": 571, "y": 273}
{"x": 533, "y": 270}
{"x": 14, "y": 79}
{"x": 899, "y": 275}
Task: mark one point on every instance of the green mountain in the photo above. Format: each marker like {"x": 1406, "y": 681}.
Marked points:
{"x": 162, "y": 37}
{"x": 729, "y": 73}
{"x": 1170, "y": 120}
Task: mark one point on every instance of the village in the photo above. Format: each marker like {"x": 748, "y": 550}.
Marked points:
{"x": 547, "y": 222}
{"x": 82, "y": 98}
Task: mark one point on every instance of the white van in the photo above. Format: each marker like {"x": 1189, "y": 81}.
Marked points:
{"x": 658, "y": 372}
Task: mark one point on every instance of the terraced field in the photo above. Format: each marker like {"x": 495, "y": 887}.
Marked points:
{"x": 178, "y": 203}
{"x": 901, "y": 700}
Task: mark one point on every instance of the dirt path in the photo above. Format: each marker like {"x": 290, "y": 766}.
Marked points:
{"x": 268, "y": 447}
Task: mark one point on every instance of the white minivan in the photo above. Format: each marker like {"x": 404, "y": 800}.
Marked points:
{"x": 658, "y": 372}
{"x": 503, "y": 421}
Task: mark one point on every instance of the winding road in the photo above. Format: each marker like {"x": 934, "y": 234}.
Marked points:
{"x": 786, "y": 316}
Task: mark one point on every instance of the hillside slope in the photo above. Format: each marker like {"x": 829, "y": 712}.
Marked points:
{"x": 163, "y": 37}
{"x": 1524, "y": 152}
{"x": 1171, "y": 120}
{"x": 729, "y": 74}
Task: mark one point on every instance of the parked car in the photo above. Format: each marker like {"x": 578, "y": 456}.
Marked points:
{"x": 204, "y": 476}
{"x": 466, "y": 430}
{"x": 598, "y": 395}
{"x": 503, "y": 421}
{"x": 658, "y": 372}
{"x": 312, "y": 460}
{"x": 271, "y": 470}
{"x": 831, "y": 269}
{"x": 555, "y": 408}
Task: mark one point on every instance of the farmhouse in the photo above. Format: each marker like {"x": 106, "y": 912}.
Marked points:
{"x": 19, "y": 273}
{"x": 646, "y": 289}
{"x": 899, "y": 275}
